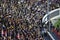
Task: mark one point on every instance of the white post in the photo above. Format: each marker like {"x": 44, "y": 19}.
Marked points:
{"x": 48, "y": 12}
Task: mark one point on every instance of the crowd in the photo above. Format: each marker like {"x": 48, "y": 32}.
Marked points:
{"x": 22, "y": 19}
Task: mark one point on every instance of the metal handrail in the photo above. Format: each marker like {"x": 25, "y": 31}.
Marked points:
{"x": 53, "y": 12}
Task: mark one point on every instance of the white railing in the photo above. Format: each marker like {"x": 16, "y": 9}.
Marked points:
{"x": 51, "y": 36}
{"x": 51, "y": 14}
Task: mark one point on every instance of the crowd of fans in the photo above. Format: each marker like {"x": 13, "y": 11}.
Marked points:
{"x": 22, "y": 19}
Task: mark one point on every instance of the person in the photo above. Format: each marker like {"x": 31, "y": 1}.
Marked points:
{"x": 22, "y": 18}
